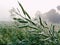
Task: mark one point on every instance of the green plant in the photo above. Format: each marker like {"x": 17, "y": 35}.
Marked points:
{"x": 36, "y": 33}
{"x": 25, "y": 31}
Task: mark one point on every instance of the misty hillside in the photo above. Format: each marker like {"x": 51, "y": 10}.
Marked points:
{"x": 8, "y": 23}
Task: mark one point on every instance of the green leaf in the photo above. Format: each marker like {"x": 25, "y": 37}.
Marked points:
{"x": 25, "y": 13}
{"x": 41, "y": 22}
{"x": 28, "y": 27}
{"x": 23, "y": 26}
{"x": 30, "y": 21}
{"x": 21, "y": 7}
{"x": 22, "y": 21}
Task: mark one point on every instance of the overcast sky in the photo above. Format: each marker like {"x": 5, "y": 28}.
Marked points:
{"x": 31, "y": 6}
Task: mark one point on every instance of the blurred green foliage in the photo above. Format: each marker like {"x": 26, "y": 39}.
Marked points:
{"x": 27, "y": 32}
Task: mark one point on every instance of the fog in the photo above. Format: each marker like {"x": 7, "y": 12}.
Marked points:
{"x": 47, "y": 8}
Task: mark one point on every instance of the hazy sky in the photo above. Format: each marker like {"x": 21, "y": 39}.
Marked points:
{"x": 31, "y": 6}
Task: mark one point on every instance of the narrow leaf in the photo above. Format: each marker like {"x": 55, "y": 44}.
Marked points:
{"x": 30, "y": 21}
{"x": 23, "y": 26}
{"x": 21, "y": 7}
{"x": 28, "y": 27}
{"x": 28, "y": 15}
{"x": 41, "y": 22}
{"x": 22, "y": 21}
{"x": 24, "y": 12}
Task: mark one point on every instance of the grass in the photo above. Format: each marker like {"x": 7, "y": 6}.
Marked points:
{"x": 27, "y": 32}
